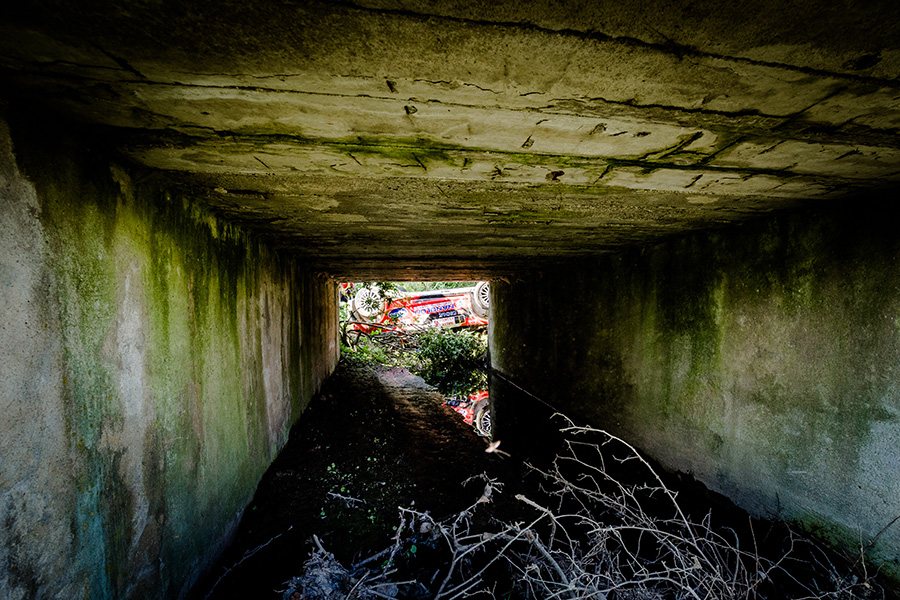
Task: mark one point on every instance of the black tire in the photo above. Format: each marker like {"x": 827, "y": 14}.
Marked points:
{"x": 481, "y": 299}
{"x": 481, "y": 418}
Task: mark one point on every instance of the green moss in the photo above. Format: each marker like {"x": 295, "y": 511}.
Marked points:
{"x": 836, "y": 535}
{"x": 756, "y": 357}
{"x": 412, "y": 152}
{"x": 165, "y": 400}
{"x": 85, "y": 273}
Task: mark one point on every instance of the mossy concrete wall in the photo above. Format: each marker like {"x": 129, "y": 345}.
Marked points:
{"x": 764, "y": 360}
{"x": 153, "y": 360}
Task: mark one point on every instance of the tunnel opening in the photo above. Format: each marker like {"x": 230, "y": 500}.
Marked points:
{"x": 437, "y": 330}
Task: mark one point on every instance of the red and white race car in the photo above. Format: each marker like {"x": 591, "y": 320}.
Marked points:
{"x": 457, "y": 307}
{"x": 475, "y": 411}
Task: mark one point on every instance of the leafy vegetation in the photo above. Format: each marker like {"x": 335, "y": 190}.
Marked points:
{"x": 426, "y": 286}
{"x": 453, "y": 360}
{"x": 450, "y": 359}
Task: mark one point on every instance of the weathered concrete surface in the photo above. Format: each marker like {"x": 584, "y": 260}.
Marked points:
{"x": 153, "y": 359}
{"x": 439, "y": 139}
{"x": 763, "y": 361}
{"x": 501, "y": 133}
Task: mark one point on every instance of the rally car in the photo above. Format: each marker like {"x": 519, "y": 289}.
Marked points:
{"x": 458, "y": 307}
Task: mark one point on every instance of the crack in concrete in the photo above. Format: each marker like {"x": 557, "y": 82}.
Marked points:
{"x": 52, "y": 63}
{"x": 770, "y": 148}
{"x": 262, "y": 163}
{"x": 738, "y": 172}
{"x": 795, "y": 116}
{"x": 546, "y": 109}
{"x": 126, "y": 66}
{"x": 693, "y": 181}
{"x": 606, "y": 171}
{"x": 416, "y": 166}
{"x": 675, "y": 49}
{"x": 851, "y": 153}
{"x": 660, "y": 154}
{"x": 188, "y": 141}
{"x": 455, "y": 84}
{"x": 747, "y": 112}
{"x": 742, "y": 122}
{"x": 705, "y": 161}
{"x": 483, "y": 89}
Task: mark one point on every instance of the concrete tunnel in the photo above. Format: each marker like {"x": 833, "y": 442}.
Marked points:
{"x": 686, "y": 212}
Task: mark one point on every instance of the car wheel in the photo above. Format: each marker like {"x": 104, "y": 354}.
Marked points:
{"x": 482, "y": 418}
{"x": 367, "y": 304}
{"x": 481, "y": 299}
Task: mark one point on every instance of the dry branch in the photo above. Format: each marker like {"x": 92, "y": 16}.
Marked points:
{"x": 604, "y": 539}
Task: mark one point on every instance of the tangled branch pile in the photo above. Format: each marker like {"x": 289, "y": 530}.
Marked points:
{"x": 604, "y": 526}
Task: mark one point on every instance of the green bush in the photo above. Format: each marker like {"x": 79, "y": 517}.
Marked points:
{"x": 367, "y": 353}
{"x": 424, "y": 286}
{"x": 451, "y": 360}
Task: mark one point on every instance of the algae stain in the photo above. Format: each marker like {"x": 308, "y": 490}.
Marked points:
{"x": 199, "y": 282}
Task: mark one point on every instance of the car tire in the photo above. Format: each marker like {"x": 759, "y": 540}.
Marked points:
{"x": 481, "y": 418}
{"x": 481, "y": 299}
{"x": 362, "y": 308}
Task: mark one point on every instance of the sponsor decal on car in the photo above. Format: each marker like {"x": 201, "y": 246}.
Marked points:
{"x": 434, "y": 309}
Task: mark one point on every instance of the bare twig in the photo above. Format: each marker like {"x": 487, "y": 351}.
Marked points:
{"x": 350, "y": 500}
{"x": 243, "y": 558}
{"x": 374, "y": 557}
{"x": 598, "y": 538}
{"x": 875, "y": 539}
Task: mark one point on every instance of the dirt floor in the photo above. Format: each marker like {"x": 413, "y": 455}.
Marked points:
{"x": 367, "y": 445}
{"x": 372, "y": 443}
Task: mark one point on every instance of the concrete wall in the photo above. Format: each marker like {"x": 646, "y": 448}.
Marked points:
{"x": 153, "y": 360}
{"x": 764, "y": 360}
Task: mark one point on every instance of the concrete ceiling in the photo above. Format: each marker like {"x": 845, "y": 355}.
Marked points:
{"x": 384, "y": 138}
